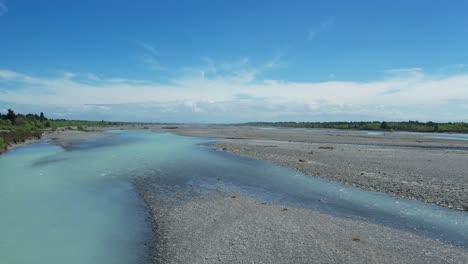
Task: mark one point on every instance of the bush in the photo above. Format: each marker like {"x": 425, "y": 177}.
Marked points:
{"x": 384, "y": 125}
{"x": 21, "y": 121}
{"x": 5, "y": 122}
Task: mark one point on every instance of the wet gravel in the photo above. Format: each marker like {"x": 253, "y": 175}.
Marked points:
{"x": 411, "y": 166}
{"x": 231, "y": 228}
{"x": 434, "y": 176}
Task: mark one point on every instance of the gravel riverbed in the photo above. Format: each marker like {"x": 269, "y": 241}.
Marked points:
{"x": 231, "y": 228}
{"x": 193, "y": 225}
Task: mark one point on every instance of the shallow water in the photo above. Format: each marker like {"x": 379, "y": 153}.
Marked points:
{"x": 68, "y": 209}
{"x": 267, "y": 128}
{"x": 449, "y": 136}
{"x": 79, "y": 206}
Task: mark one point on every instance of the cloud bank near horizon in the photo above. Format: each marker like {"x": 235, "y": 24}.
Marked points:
{"x": 237, "y": 94}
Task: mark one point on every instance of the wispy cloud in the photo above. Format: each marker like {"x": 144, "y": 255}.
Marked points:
{"x": 324, "y": 25}
{"x": 3, "y": 8}
{"x": 275, "y": 62}
{"x": 152, "y": 50}
{"x": 151, "y": 57}
{"x": 406, "y": 73}
{"x": 459, "y": 67}
{"x": 414, "y": 70}
{"x": 231, "y": 92}
{"x": 237, "y": 70}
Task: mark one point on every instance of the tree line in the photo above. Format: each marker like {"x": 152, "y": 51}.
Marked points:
{"x": 13, "y": 119}
{"x": 411, "y": 126}
{"x": 16, "y": 128}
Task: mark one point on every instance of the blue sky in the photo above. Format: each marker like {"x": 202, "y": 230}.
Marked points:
{"x": 234, "y": 61}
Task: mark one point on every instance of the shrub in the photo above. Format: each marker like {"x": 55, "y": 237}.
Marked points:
{"x": 20, "y": 121}
{"x": 384, "y": 125}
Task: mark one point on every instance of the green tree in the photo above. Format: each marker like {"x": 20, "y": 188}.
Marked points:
{"x": 41, "y": 117}
{"x": 11, "y": 116}
{"x": 384, "y": 125}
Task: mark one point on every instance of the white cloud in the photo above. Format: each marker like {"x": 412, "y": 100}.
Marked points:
{"x": 327, "y": 23}
{"x": 151, "y": 57}
{"x": 457, "y": 68}
{"x": 238, "y": 70}
{"x": 240, "y": 96}
{"x": 3, "y": 8}
{"x": 311, "y": 35}
{"x": 405, "y": 72}
{"x": 324, "y": 25}
{"x": 149, "y": 48}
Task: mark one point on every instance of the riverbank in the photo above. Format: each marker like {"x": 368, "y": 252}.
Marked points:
{"x": 411, "y": 166}
{"x": 61, "y": 137}
{"x": 11, "y": 139}
{"x": 68, "y": 138}
{"x": 231, "y": 228}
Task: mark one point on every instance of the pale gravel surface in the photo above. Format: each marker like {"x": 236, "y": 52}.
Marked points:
{"x": 230, "y": 228}
{"x": 409, "y": 166}
{"x": 67, "y": 138}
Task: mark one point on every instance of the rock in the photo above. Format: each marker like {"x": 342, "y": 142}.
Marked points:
{"x": 329, "y": 148}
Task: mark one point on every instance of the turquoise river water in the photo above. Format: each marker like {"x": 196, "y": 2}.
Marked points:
{"x": 78, "y": 205}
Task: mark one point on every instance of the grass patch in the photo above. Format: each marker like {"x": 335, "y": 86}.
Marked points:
{"x": 18, "y": 136}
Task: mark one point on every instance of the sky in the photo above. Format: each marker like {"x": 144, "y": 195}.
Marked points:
{"x": 235, "y": 61}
